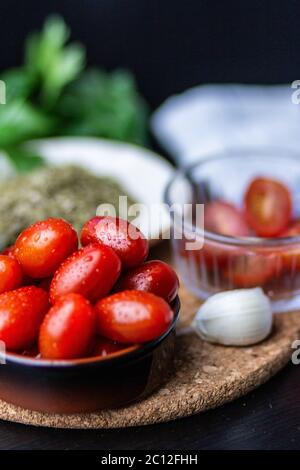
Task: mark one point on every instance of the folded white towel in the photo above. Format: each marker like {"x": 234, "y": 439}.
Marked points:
{"x": 212, "y": 118}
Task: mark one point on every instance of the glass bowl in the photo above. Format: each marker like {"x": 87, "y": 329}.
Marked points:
{"x": 225, "y": 262}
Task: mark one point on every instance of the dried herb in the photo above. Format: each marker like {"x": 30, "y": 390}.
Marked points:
{"x": 69, "y": 192}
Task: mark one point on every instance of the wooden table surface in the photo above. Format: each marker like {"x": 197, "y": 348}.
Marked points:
{"x": 267, "y": 418}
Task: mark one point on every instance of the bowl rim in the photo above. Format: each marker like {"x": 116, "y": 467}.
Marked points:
{"x": 232, "y": 153}
{"x": 130, "y": 353}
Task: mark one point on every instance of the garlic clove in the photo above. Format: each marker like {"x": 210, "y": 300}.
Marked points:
{"x": 237, "y": 318}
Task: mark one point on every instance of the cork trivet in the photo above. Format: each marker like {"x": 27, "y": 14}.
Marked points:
{"x": 205, "y": 376}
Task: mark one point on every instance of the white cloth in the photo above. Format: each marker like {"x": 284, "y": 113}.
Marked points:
{"x": 211, "y": 118}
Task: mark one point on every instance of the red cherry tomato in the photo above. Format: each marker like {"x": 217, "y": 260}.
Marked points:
{"x": 251, "y": 270}
{"x": 42, "y": 247}
{"x": 222, "y": 217}
{"x": 268, "y": 206}
{"x": 91, "y": 271}
{"x": 217, "y": 255}
{"x": 123, "y": 237}
{"x": 21, "y": 314}
{"x": 9, "y": 251}
{"x": 292, "y": 231}
{"x": 11, "y": 275}
{"x": 291, "y": 254}
{"x": 27, "y": 280}
{"x": 68, "y": 328}
{"x": 153, "y": 276}
{"x": 211, "y": 256}
{"x": 133, "y": 316}
{"x": 104, "y": 347}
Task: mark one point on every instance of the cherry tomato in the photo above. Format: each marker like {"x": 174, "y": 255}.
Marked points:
{"x": 292, "y": 231}
{"x": 123, "y": 237}
{"x": 27, "y": 280}
{"x": 9, "y": 251}
{"x": 153, "y": 276}
{"x": 217, "y": 255}
{"x": 291, "y": 254}
{"x": 42, "y": 247}
{"x": 133, "y": 316}
{"x": 104, "y": 347}
{"x": 91, "y": 271}
{"x": 211, "y": 256}
{"x": 11, "y": 275}
{"x": 251, "y": 270}
{"x": 68, "y": 328}
{"x": 21, "y": 314}
{"x": 268, "y": 206}
{"x": 222, "y": 217}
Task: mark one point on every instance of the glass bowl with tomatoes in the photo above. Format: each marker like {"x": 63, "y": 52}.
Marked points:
{"x": 86, "y": 327}
{"x": 249, "y": 231}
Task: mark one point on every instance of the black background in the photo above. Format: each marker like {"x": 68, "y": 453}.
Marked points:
{"x": 171, "y": 44}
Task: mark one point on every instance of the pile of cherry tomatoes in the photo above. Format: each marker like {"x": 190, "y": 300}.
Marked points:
{"x": 61, "y": 302}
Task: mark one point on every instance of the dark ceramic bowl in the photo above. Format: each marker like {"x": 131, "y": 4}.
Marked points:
{"x": 89, "y": 384}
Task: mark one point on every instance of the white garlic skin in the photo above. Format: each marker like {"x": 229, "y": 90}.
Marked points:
{"x": 235, "y": 318}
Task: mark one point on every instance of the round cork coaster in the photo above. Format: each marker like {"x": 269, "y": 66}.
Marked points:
{"x": 205, "y": 376}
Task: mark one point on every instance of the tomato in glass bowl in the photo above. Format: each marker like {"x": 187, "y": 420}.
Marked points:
{"x": 250, "y": 231}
